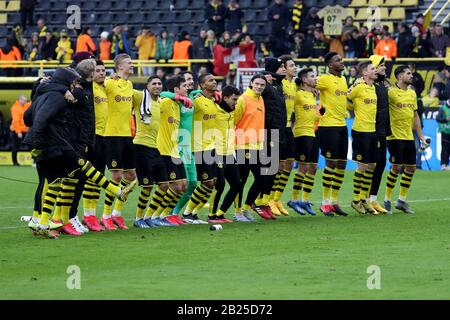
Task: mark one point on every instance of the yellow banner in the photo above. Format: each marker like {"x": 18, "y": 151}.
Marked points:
{"x": 447, "y": 57}
{"x": 24, "y": 158}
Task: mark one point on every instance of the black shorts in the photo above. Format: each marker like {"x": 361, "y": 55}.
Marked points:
{"x": 120, "y": 153}
{"x": 365, "y": 147}
{"x": 287, "y": 150}
{"x": 65, "y": 165}
{"x": 402, "y": 152}
{"x": 174, "y": 168}
{"x": 150, "y": 167}
{"x": 333, "y": 142}
{"x": 206, "y": 165}
{"x": 306, "y": 149}
{"x": 97, "y": 156}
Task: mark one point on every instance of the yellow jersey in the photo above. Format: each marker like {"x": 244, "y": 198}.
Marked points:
{"x": 146, "y": 133}
{"x": 364, "y": 98}
{"x": 305, "y": 114}
{"x": 402, "y": 105}
{"x": 290, "y": 91}
{"x": 100, "y": 108}
{"x": 333, "y": 97}
{"x": 203, "y": 129}
{"x": 167, "y": 139}
{"x": 224, "y": 123}
{"x": 120, "y": 103}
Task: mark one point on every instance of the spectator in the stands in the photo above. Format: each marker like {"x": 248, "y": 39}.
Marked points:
{"x": 225, "y": 40}
{"x": 26, "y": 12}
{"x": 432, "y": 99}
{"x": 349, "y": 45}
{"x": 419, "y": 22}
{"x": 234, "y": 15}
{"x": 439, "y": 42}
{"x": 146, "y": 44}
{"x": 263, "y": 50}
{"x": 387, "y": 47}
{"x": 372, "y": 40}
{"x": 209, "y": 44}
{"x": 104, "y": 46}
{"x": 18, "y": 128}
{"x": 32, "y": 48}
{"x": 443, "y": 120}
{"x": 164, "y": 46}
{"x": 48, "y": 47}
{"x": 352, "y": 75}
{"x": 215, "y": 14}
{"x": 336, "y": 45}
{"x": 421, "y": 45}
{"x": 297, "y": 45}
{"x": 119, "y": 41}
{"x": 9, "y": 52}
{"x": 320, "y": 46}
{"x": 42, "y": 29}
{"x": 297, "y": 14}
{"x": 440, "y": 81}
{"x": 230, "y": 78}
{"x": 280, "y": 16}
{"x": 405, "y": 41}
{"x": 417, "y": 83}
{"x": 182, "y": 48}
{"x": 85, "y": 42}
{"x": 198, "y": 46}
{"x": 64, "y": 50}
{"x": 312, "y": 19}
{"x": 359, "y": 44}
{"x": 348, "y": 25}
{"x": 17, "y": 37}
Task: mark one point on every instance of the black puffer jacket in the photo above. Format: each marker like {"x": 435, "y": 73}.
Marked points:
{"x": 82, "y": 118}
{"x": 47, "y": 116}
{"x": 275, "y": 105}
{"x": 383, "y": 124}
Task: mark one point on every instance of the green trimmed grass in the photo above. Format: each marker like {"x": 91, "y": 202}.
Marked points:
{"x": 292, "y": 258}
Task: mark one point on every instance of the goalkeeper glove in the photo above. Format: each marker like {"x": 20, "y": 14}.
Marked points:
{"x": 184, "y": 100}
{"x": 36, "y": 153}
{"x": 423, "y": 145}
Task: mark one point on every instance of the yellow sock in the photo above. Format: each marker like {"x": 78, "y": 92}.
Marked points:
{"x": 155, "y": 202}
{"x": 265, "y": 199}
{"x": 308, "y": 184}
{"x": 118, "y": 206}
{"x": 274, "y": 189}
{"x": 199, "y": 197}
{"x": 109, "y": 200}
{"x": 338, "y": 179}
{"x": 36, "y": 214}
{"x": 390, "y": 185}
{"x": 357, "y": 181}
{"x": 172, "y": 199}
{"x": 327, "y": 180}
{"x": 57, "y": 211}
{"x": 220, "y": 213}
{"x": 282, "y": 182}
{"x": 49, "y": 201}
{"x": 405, "y": 184}
{"x": 246, "y": 207}
{"x": 298, "y": 183}
{"x": 367, "y": 182}
{"x": 142, "y": 203}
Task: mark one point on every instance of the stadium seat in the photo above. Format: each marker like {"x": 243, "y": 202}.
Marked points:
{"x": 351, "y": 12}
{"x": 167, "y": 16}
{"x": 260, "y": 4}
{"x": 392, "y": 3}
{"x": 42, "y": 6}
{"x": 88, "y": 7}
{"x": 10, "y": 6}
{"x": 343, "y": 3}
{"x": 375, "y": 3}
{"x": 397, "y": 14}
{"x": 58, "y": 7}
{"x": 324, "y": 3}
{"x": 358, "y": 3}
{"x": 181, "y": 4}
{"x": 198, "y": 17}
{"x": 13, "y": 18}
{"x": 245, "y": 4}
{"x": 196, "y": 4}
{"x": 119, "y": 6}
{"x": 103, "y": 6}
{"x": 410, "y": 3}
{"x": 249, "y": 16}
{"x": 135, "y": 18}
{"x": 183, "y": 16}
{"x": 3, "y": 31}
{"x": 3, "y": 20}
{"x": 362, "y": 14}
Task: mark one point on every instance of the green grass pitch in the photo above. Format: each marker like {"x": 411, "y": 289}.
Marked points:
{"x": 291, "y": 258}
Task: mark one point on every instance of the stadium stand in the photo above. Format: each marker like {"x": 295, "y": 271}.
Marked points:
{"x": 101, "y": 15}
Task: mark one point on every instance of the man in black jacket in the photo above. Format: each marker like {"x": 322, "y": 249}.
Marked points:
{"x": 405, "y": 41}
{"x": 280, "y": 16}
{"x": 52, "y": 150}
{"x": 215, "y": 14}
{"x": 275, "y": 121}
{"x": 383, "y": 128}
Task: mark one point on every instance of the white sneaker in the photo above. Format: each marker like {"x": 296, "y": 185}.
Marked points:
{"x": 444, "y": 167}
{"x": 198, "y": 221}
{"x": 77, "y": 225}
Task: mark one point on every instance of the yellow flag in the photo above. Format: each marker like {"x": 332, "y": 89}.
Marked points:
{"x": 427, "y": 19}
{"x": 447, "y": 56}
